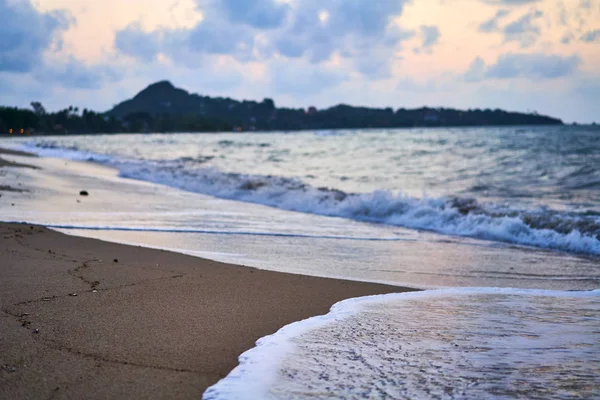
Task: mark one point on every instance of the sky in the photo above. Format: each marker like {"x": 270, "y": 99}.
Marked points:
{"x": 520, "y": 55}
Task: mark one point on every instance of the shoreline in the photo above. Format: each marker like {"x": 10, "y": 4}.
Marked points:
{"x": 540, "y": 224}
{"x": 50, "y": 197}
{"x": 86, "y": 318}
{"x": 299, "y": 130}
{"x": 125, "y": 313}
{"x": 8, "y": 163}
{"x": 139, "y": 322}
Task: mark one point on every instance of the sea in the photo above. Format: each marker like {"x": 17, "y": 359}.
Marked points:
{"x": 501, "y": 225}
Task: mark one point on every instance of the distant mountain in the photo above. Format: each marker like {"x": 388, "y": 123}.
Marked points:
{"x": 163, "y": 107}
{"x": 158, "y": 98}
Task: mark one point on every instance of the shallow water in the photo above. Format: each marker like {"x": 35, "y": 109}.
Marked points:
{"x": 136, "y": 212}
{"x": 467, "y": 343}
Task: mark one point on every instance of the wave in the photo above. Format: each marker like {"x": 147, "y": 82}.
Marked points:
{"x": 544, "y": 228}
{"x": 384, "y": 341}
{"x": 455, "y": 216}
{"x": 49, "y": 149}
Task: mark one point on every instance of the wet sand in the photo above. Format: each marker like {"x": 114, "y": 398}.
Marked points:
{"x": 83, "y": 318}
{"x": 7, "y": 163}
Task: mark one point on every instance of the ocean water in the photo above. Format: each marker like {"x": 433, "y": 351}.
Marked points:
{"x": 457, "y": 343}
{"x": 534, "y": 186}
{"x": 506, "y": 207}
{"x": 142, "y": 213}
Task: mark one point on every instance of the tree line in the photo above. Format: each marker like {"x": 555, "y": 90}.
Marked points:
{"x": 192, "y": 113}
{"x": 68, "y": 120}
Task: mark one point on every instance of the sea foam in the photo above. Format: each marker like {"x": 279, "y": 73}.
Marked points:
{"x": 444, "y": 215}
{"x": 467, "y": 343}
{"x": 541, "y": 227}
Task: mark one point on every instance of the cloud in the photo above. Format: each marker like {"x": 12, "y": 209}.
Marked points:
{"x": 523, "y": 24}
{"x": 591, "y": 36}
{"x": 523, "y": 30}
{"x": 27, "y": 34}
{"x": 318, "y": 29}
{"x": 534, "y": 66}
{"x": 563, "y": 15}
{"x": 363, "y": 33}
{"x": 430, "y": 34}
{"x": 476, "y": 71}
{"x": 566, "y": 38}
{"x": 262, "y": 14}
{"x": 371, "y": 19}
{"x": 186, "y": 46}
{"x": 29, "y": 50}
{"x": 375, "y": 65}
{"x": 212, "y": 37}
{"x": 304, "y": 79}
{"x": 15, "y": 86}
{"x": 133, "y": 41}
{"x": 76, "y": 75}
{"x": 511, "y": 2}
{"x": 491, "y": 25}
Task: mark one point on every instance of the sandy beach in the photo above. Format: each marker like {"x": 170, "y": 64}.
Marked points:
{"x": 142, "y": 290}
{"x": 83, "y": 318}
{"x": 6, "y": 163}
{"x": 296, "y": 199}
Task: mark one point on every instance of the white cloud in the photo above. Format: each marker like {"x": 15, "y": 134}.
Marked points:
{"x": 363, "y": 32}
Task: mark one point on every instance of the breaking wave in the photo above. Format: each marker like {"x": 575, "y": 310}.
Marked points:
{"x": 468, "y": 343}
{"x": 540, "y": 227}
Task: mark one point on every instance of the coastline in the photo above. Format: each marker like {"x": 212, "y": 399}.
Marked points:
{"x": 102, "y": 320}
{"x": 8, "y": 163}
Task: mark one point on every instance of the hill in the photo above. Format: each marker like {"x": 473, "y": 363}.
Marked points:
{"x": 161, "y": 107}
{"x": 162, "y": 101}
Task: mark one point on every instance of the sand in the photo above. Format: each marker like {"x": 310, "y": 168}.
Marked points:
{"x": 83, "y": 318}
{"x": 7, "y": 163}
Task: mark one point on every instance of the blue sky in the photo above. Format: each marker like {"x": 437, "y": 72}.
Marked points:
{"x": 524, "y": 55}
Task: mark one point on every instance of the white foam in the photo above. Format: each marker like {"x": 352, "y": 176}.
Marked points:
{"x": 469, "y": 342}
{"x": 60, "y": 152}
{"x": 434, "y": 214}
{"x": 429, "y": 213}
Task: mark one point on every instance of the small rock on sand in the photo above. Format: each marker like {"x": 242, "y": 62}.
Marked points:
{"x": 83, "y": 193}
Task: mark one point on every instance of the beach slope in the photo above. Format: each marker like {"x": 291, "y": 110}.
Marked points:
{"x": 83, "y": 318}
